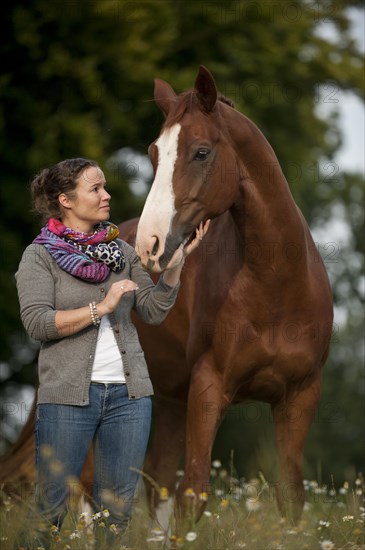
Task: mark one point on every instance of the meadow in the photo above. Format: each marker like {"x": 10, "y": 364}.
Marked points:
{"x": 239, "y": 514}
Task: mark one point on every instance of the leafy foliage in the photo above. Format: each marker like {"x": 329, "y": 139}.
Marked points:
{"x": 77, "y": 80}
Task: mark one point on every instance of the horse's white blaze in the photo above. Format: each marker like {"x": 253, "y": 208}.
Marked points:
{"x": 159, "y": 207}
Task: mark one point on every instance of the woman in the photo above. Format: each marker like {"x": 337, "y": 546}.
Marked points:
{"x": 77, "y": 284}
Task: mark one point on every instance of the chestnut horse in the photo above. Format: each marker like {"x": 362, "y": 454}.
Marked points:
{"x": 253, "y": 315}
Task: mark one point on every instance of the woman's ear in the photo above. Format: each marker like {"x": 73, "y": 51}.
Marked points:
{"x": 64, "y": 200}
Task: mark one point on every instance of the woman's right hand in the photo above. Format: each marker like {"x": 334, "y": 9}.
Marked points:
{"x": 114, "y": 295}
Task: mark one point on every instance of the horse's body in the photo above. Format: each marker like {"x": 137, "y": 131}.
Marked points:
{"x": 254, "y": 313}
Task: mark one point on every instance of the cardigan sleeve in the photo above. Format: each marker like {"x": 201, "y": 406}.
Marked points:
{"x": 152, "y": 302}
{"x": 35, "y": 285}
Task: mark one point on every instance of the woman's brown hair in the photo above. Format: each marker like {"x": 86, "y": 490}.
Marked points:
{"x": 49, "y": 183}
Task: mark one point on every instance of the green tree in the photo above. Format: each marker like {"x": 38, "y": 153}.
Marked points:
{"x": 77, "y": 80}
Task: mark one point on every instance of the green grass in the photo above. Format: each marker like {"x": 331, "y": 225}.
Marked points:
{"x": 239, "y": 514}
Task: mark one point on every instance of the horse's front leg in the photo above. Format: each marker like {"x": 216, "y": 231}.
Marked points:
{"x": 293, "y": 417}
{"x": 164, "y": 455}
{"x": 206, "y": 406}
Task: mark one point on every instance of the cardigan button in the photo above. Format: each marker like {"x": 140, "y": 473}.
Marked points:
{"x": 116, "y": 330}
{"x": 102, "y": 289}
{"x": 123, "y": 351}
{"x": 127, "y": 373}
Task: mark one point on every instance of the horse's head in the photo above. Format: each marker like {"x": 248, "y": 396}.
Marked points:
{"x": 196, "y": 176}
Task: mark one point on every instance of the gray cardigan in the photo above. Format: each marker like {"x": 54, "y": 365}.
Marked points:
{"x": 65, "y": 363}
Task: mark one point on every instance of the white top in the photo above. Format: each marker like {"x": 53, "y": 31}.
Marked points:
{"x": 108, "y": 364}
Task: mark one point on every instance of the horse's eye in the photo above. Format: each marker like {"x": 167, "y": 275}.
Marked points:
{"x": 201, "y": 154}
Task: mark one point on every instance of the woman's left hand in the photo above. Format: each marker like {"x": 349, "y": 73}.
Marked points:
{"x": 200, "y": 232}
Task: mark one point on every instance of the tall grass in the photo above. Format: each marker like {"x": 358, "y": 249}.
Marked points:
{"x": 239, "y": 514}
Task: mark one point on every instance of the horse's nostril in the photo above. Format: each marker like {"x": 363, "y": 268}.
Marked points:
{"x": 155, "y": 247}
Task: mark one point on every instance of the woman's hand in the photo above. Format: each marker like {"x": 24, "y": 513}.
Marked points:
{"x": 71, "y": 321}
{"x": 200, "y": 233}
{"x": 172, "y": 272}
{"x": 114, "y": 295}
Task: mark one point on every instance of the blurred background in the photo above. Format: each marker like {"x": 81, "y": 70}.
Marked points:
{"x": 77, "y": 80}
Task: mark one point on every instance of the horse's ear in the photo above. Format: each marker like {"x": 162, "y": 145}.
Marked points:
{"x": 164, "y": 95}
{"x": 205, "y": 89}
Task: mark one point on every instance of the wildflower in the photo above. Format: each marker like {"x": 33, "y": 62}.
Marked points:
{"x": 96, "y": 516}
{"x": 190, "y": 493}
{"x": 180, "y": 473}
{"x": 157, "y": 535}
{"x": 238, "y": 493}
{"x": 224, "y": 503}
{"x": 75, "y": 535}
{"x": 203, "y": 496}
{"x": 83, "y": 516}
{"x": 358, "y": 481}
{"x": 323, "y": 523}
{"x": 252, "y": 505}
{"x": 156, "y": 538}
{"x": 327, "y": 545}
{"x": 347, "y": 518}
{"x": 218, "y": 492}
{"x": 207, "y": 513}
{"x": 358, "y": 492}
{"x": 320, "y": 490}
{"x": 344, "y": 489}
{"x": 106, "y": 513}
{"x": 223, "y": 474}
{"x": 157, "y": 531}
{"x": 216, "y": 464}
{"x": 191, "y": 536}
{"x": 113, "y": 528}
{"x": 164, "y": 493}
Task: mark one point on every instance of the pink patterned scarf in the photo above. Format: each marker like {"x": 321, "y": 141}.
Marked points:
{"x": 88, "y": 257}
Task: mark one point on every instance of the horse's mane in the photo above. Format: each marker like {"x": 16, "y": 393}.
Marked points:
{"x": 185, "y": 103}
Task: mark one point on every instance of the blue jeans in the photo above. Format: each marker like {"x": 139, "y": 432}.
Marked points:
{"x": 116, "y": 427}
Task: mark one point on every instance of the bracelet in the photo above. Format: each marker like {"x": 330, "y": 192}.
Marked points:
{"x": 94, "y": 314}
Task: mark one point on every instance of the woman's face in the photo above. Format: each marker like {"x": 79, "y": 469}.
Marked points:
{"x": 91, "y": 202}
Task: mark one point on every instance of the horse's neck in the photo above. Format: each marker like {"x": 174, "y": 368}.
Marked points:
{"x": 265, "y": 213}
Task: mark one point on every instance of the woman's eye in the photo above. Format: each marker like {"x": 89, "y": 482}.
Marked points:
{"x": 201, "y": 154}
